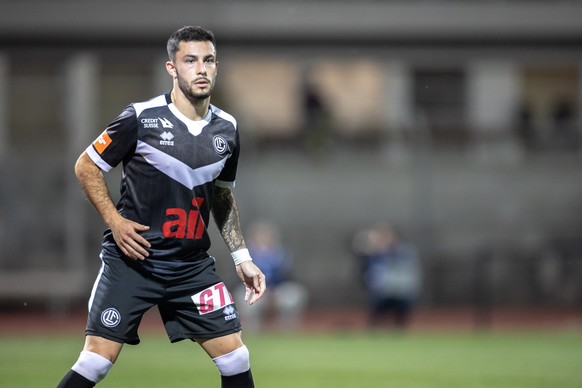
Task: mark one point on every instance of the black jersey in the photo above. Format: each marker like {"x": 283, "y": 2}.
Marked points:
{"x": 170, "y": 167}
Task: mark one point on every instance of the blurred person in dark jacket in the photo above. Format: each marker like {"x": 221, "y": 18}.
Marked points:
{"x": 390, "y": 271}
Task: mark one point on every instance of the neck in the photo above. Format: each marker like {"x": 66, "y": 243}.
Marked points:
{"x": 193, "y": 109}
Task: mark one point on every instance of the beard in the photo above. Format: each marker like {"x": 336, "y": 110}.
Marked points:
{"x": 189, "y": 89}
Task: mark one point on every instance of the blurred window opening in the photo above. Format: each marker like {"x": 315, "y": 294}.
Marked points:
{"x": 35, "y": 101}
{"x": 550, "y": 108}
{"x": 439, "y": 98}
{"x": 354, "y": 92}
{"x": 267, "y": 93}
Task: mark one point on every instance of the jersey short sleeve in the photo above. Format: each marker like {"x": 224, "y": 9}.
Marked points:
{"x": 117, "y": 141}
{"x": 227, "y": 176}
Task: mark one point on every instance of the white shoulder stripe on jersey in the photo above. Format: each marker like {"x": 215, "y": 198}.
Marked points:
{"x": 224, "y": 184}
{"x": 154, "y": 102}
{"x": 175, "y": 169}
{"x": 96, "y": 158}
{"x": 223, "y": 115}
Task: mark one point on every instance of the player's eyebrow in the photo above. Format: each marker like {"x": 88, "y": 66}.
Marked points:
{"x": 195, "y": 56}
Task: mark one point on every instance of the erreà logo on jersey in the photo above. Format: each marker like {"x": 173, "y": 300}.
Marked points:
{"x": 166, "y": 138}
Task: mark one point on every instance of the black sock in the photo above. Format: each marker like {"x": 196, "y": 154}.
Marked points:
{"x": 75, "y": 380}
{"x": 242, "y": 380}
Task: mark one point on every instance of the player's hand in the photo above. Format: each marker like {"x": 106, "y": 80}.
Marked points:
{"x": 253, "y": 279}
{"x": 126, "y": 235}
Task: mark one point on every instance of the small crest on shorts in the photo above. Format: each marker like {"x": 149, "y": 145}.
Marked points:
{"x": 110, "y": 317}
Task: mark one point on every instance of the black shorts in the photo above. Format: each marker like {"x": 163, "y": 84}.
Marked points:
{"x": 193, "y": 307}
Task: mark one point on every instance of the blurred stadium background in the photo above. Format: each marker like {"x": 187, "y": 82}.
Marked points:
{"x": 457, "y": 121}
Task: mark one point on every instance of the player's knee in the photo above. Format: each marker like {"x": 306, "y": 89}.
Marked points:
{"x": 92, "y": 366}
{"x": 233, "y": 363}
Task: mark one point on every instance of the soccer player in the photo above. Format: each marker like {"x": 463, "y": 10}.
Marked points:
{"x": 179, "y": 156}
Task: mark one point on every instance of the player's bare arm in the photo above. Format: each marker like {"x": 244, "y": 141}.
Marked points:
{"x": 225, "y": 212}
{"x": 125, "y": 232}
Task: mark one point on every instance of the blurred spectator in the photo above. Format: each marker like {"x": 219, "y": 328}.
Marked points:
{"x": 390, "y": 272}
{"x": 525, "y": 128}
{"x": 285, "y": 299}
{"x": 317, "y": 135}
{"x": 565, "y": 134}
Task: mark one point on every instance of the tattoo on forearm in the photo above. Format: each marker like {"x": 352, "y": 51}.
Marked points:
{"x": 225, "y": 212}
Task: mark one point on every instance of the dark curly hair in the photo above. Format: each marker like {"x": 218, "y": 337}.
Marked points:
{"x": 188, "y": 34}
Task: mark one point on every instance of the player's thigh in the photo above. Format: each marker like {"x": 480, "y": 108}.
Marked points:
{"x": 104, "y": 347}
{"x": 199, "y": 307}
{"x": 120, "y": 297}
{"x": 219, "y": 346}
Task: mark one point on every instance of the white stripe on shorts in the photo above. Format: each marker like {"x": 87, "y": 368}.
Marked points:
{"x": 96, "y": 283}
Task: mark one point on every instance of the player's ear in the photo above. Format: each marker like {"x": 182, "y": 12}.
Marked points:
{"x": 171, "y": 69}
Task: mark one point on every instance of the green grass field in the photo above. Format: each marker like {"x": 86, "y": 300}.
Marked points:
{"x": 495, "y": 359}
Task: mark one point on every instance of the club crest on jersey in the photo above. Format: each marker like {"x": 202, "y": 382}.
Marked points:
{"x": 166, "y": 138}
{"x": 220, "y": 144}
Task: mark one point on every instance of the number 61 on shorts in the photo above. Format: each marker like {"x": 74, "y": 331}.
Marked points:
{"x": 213, "y": 298}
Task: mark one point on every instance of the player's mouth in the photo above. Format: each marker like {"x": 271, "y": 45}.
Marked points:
{"x": 202, "y": 83}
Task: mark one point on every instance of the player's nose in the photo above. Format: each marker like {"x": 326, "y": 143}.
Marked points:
{"x": 201, "y": 67}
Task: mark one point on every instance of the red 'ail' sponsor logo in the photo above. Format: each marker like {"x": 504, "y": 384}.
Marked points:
{"x": 184, "y": 224}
